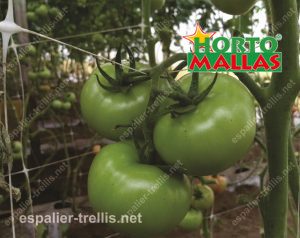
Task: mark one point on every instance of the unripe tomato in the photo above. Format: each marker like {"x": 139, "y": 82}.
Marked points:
{"x": 104, "y": 110}
{"x": 234, "y": 7}
{"x": 192, "y": 221}
{"x": 57, "y": 104}
{"x": 17, "y": 146}
{"x": 42, "y": 11}
{"x": 66, "y": 106}
{"x": 216, "y": 134}
{"x": 157, "y": 4}
{"x": 118, "y": 184}
{"x": 54, "y": 11}
{"x": 17, "y": 156}
{"x": 44, "y": 74}
{"x": 203, "y": 197}
{"x": 31, "y": 16}
{"x": 70, "y": 97}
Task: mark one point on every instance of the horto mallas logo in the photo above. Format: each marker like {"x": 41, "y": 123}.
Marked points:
{"x": 237, "y": 54}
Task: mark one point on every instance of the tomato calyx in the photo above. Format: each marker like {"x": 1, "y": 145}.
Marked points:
{"x": 198, "y": 193}
{"x": 187, "y": 102}
{"x": 123, "y": 81}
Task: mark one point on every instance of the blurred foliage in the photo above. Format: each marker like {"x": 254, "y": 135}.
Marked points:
{"x": 88, "y": 16}
{"x": 94, "y": 25}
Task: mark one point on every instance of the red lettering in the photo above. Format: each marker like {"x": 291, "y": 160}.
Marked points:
{"x": 221, "y": 62}
{"x": 274, "y": 60}
{"x": 200, "y": 63}
{"x": 245, "y": 65}
{"x": 234, "y": 65}
{"x": 261, "y": 63}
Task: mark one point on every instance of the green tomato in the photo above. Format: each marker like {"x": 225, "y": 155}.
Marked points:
{"x": 42, "y": 10}
{"x": 54, "y": 11}
{"x": 216, "y": 135}
{"x": 45, "y": 74}
{"x": 104, "y": 110}
{"x": 66, "y": 106}
{"x": 17, "y": 146}
{"x": 157, "y": 4}
{"x": 31, "y": 16}
{"x": 234, "y": 7}
{"x": 57, "y": 104}
{"x": 70, "y": 97}
{"x": 203, "y": 197}
{"x": 119, "y": 184}
{"x": 17, "y": 156}
{"x": 192, "y": 221}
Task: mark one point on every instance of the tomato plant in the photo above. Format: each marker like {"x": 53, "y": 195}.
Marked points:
{"x": 117, "y": 173}
{"x": 234, "y": 7}
{"x": 193, "y": 137}
{"x": 206, "y": 136}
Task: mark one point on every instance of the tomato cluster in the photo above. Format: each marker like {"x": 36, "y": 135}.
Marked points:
{"x": 189, "y": 133}
{"x": 17, "y": 150}
{"x": 65, "y": 103}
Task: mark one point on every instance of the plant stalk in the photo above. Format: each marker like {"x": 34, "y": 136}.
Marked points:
{"x": 277, "y": 123}
{"x": 146, "y": 4}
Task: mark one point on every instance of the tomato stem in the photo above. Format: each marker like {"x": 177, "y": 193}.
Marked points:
{"x": 146, "y": 8}
{"x": 148, "y": 124}
{"x": 277, "y": 123}
{"x": 294, "y": 174}
{"x": 206, "y": 230}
